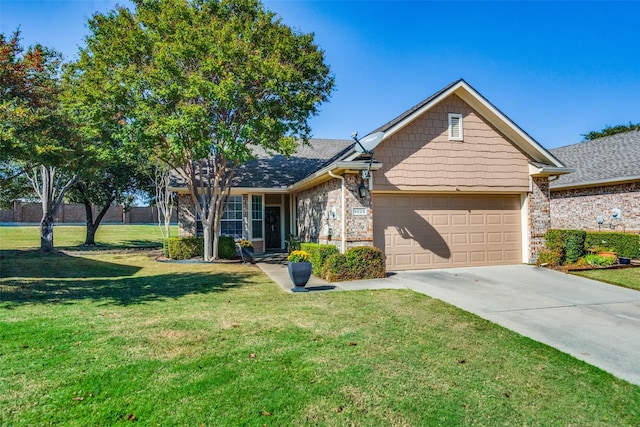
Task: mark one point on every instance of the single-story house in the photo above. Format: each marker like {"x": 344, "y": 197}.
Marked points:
{"x": 453, "y": 182}
{"x": 604, "y": 191}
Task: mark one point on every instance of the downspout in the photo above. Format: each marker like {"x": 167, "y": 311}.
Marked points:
{"x": 343, "y": 244}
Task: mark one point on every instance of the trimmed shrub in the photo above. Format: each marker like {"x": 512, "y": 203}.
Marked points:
{"x": 362, "y": 262}
{"x": 165, "y": 248}
{"x": 335, "y": 269}
{"x": 185, "y": 247}
{"x": 550, "y": 257}
{"x": 573, "y": 245}
{"x": 227, "y": 247}
{"x": 567, "y": 244}
{"x": 625, "y": 245}
{"x": 365, "y": 262}
{"x": 319, "y": 254}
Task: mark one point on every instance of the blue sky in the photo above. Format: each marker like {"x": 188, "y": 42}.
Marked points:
{"x": 558, "y": 69}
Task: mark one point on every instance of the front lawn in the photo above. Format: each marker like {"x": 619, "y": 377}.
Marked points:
{"x": 66, "y": 236}
{"x": 113, "y": 339}
{"x": 627, "y": 277}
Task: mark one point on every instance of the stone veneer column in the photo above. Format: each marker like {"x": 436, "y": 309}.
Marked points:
{"x": 359, "y": 227}
{"x": 186, "y": 216}
{"x": 539, "y": 215}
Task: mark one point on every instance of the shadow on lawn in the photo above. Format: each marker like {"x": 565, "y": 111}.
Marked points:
{"x": 86, "y": 279}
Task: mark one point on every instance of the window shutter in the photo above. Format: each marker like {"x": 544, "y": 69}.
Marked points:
{"x": 455, "y": 127}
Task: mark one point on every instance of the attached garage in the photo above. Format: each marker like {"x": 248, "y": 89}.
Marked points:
{"x": 417, "y": 231}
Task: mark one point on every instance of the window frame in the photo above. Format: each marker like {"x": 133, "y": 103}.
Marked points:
{"x": 256, "y": 212}
{"x": 453, "y": 137}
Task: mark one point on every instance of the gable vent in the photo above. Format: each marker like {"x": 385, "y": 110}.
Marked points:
{"x": 455, "y": 127}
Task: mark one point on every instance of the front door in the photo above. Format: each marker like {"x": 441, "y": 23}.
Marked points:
{"x": 273, "y": 237}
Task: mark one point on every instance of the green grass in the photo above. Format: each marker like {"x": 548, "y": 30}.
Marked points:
{"x": 91, "y": 338}
{"x": 66, "y": 236}
{"x": 627, "y": 277}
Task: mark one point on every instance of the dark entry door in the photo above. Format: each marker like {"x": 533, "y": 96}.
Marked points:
{"x": 273, "y": 238}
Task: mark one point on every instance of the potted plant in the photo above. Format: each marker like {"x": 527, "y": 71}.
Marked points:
{"x": 299, "y": 269}
{"x": 247, "y": 250}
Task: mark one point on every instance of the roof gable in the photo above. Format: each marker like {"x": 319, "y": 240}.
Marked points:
{"x": 479, "y": 103}
{"x": 600, "y": 161}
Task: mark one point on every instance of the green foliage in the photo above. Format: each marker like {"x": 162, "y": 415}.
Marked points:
{"x": 361, "y": 262}
{"x": 625, "y": 245}
{"x": 573, "y": 245}
{"x": 567, "y": 244}
{"x": 551, "y": 257}
{"x": 335, "y": 268}
{"x": 292, "y": 242}
{"x": 598, "y": 260}
{"x": 165, "y": 247}
{"x": 199, "y": 83}
{"x": 185, "y": 247}
{"x": 611, "y": 130}
{"x": 227, "y": 247}
{"x": 299, "y": 256}
{"x": 319, "y": 254}
{"x": 365, "y": 262}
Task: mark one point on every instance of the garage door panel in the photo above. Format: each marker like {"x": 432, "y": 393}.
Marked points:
{"x": 427, "y": 231}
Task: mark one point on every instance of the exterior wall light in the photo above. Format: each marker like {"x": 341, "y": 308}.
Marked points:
{"x": 362, "y": 190}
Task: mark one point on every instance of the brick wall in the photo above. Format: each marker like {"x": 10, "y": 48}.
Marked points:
{"x": 539, "y": 220}
{"x": 320, "y": 214}
{"x": 75, "y": 213}
{"x": 580, "y": 208}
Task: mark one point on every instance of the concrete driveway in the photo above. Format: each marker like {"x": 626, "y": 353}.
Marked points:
{"x": 590, "y": 320}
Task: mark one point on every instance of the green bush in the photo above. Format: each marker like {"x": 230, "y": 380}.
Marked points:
{"x": 335, "y": 269}
{"x": 574, "y": 245}
{"x": 165, "y": 248}
{"x": 185, "y": 247}
{"x": 193, "y": 247}
{"x": 227, "y": 247}
{"x": 625, "y": 245}
{"x": 568, "y": 244}
{"x": 550, "y": 257}
{"x": 598, "y": 260}
{"x": 362, "y": 262}
{"x": 365, "y": 262}
{"x": 319, "y": 254}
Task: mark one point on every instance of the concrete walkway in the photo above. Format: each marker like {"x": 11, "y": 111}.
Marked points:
{"x": 590, "y": 320}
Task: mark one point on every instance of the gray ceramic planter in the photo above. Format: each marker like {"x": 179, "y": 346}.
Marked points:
{"x": 299, "y": 272}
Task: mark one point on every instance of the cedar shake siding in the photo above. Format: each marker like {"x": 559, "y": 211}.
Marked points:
{"x": 420, "y": 157}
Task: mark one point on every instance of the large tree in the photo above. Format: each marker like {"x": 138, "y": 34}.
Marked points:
{"x": 610, "y": 130}
{"x": 201, "y": 82}
{"x": 36, "y": 136}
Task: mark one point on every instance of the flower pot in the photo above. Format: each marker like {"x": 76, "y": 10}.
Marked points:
{"x": 623, "y": 260}
{"x": 247, "y": 254}
{"x": 609, "y": 254}
{"x": 299, "y": 272}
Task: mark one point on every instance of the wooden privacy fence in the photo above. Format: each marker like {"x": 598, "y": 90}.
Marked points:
{"x": 75, "y": 213}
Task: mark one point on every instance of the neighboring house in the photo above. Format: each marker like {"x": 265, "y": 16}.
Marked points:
{"x": 605, "y": 186}
{"x": 454, "y": 182}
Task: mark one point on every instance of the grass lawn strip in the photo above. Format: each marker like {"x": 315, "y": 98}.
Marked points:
{"x": 106, "y": 339}
{"x": 627, "y": 277}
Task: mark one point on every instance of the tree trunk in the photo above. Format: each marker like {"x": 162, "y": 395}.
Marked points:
{"x": 208, "y": 246}
{"x": 90, "y": 235}
{"x": 92, "y": 226}
{"x": 46, "y": 187}
{"x": 46, "y": 233}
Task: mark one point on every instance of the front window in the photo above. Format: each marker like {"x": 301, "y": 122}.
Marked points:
{"x": 231, "y": 221}
{"x": 256, "y": 217}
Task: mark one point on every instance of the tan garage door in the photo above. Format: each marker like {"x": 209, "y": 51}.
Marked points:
{"x": 436, "y": 231}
